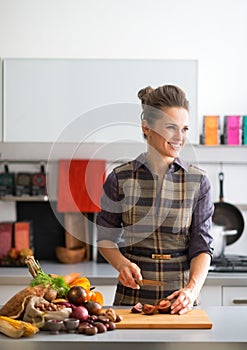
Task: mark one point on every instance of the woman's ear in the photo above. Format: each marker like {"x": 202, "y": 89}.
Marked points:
{"x": 145, "y": 128}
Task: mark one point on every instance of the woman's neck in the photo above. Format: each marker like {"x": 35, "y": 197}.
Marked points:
{"x": 158, "y": 164}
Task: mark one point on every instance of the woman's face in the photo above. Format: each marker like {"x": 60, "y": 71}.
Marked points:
{"x": 168, "y": 134}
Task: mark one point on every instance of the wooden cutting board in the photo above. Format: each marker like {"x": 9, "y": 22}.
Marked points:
{"x": 192, "y": 319}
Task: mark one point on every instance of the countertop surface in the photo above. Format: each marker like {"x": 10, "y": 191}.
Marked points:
{"x": 228, "y": 332}
{"x": 102, "y": 274}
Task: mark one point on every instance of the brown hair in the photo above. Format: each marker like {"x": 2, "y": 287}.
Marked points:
{"x": 154, "y": 100}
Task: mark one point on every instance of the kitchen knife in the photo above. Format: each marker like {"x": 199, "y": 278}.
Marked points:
{"x": 146, "y": 282}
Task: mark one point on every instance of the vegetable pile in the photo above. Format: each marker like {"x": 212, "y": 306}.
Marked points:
{"x": 56, "y": 298}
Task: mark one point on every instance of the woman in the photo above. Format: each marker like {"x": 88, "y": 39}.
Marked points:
{"x": 156, "y": 211}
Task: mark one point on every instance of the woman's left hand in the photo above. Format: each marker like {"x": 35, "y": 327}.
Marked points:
{"x": 184, "y": 301}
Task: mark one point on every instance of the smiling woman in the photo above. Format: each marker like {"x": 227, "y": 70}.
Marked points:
{"x": 168, "y": 135}
{"x": 160, "y": 207}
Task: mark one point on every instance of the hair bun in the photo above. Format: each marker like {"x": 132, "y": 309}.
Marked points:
{"x": 143, "y": 93}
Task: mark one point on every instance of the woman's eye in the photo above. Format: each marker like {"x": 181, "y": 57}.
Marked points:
{"x": 171, "y": 127}
{"x": 174, "y": 128}
{"x": 185, "y": 129}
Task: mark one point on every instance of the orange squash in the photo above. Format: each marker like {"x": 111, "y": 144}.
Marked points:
{"x": 81, "y": 281}
{"x": 97, "y": 297}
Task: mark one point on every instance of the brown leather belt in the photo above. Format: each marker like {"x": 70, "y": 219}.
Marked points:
{"x": 161, "y": 256}
{"x": 146, "y": 252}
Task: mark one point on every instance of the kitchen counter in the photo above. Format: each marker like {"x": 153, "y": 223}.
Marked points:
{"x": 97, "y": 273}
{"x": 228, "y": 332}
{"x": 102, "y": 274}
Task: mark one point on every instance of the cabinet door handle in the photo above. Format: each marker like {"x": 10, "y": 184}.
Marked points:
{"x": 239, "y": 301}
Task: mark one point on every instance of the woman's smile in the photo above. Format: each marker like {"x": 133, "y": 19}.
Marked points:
{"x": 169, "y": 133}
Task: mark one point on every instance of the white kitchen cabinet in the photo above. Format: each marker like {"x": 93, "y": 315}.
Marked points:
{"x": 234, "y": 296}
{"x": 1, "y": 117}
{"x": 210, "y": 296}
{"x": 86, "y": 100}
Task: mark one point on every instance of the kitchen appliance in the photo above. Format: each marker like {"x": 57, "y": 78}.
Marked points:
{"x": 23, "y": 184}
{"x": 219, "y": 235}
{"x": 39, "y": 182}
{"x": 229, "y": 263}
{"x": 47, "y": 228}
{"x": 7, "y": 182}
{"x": 227, "y": 215}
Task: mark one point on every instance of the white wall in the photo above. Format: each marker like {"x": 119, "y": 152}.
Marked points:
{"x": 212, "y": 31}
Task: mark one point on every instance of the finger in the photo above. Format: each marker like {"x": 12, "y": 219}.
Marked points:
{"x": 179, "y": 297}
{"x": 180, "y": 303}
{"x": 173, "y": 295}
{"x": 185, "y": 310}
{"x": 128, "y": 281}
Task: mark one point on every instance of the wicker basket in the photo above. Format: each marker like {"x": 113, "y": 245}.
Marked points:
{"x": 70, "y": 255}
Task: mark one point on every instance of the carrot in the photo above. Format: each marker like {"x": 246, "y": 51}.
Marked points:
{"x": 70, "y": 277}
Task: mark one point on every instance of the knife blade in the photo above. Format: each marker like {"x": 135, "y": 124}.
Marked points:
{"x": 146, "y": 282}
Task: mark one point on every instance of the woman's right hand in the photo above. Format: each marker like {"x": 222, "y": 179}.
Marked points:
{"x": 129, "y": 274}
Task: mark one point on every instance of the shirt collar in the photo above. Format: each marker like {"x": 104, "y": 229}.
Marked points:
{"x": 177, "y": 163}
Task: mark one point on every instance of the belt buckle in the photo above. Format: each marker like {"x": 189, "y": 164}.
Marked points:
{"x": 161, "y": 256}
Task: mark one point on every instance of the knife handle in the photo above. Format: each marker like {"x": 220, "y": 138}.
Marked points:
{"x": 139, "y": 282}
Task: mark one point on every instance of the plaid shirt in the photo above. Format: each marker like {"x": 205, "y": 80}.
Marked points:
{"x": 173, "y": 220}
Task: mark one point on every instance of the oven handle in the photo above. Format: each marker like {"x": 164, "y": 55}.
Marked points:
{"x": 239, "y": 301}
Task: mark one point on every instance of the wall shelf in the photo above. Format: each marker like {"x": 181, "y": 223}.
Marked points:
{"x": 24, "y": 198}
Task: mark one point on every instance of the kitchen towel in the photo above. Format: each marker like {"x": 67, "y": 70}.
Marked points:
{"x": 80, "y": 185}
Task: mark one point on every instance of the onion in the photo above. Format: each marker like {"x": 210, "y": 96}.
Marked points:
{"x": 65, "y": 303}
{"x": 79, "y": 312}
{"x": 50, "y": 295}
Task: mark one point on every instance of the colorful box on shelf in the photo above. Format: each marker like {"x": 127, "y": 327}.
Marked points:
{"x": 5, "y": 238}
{"x": 244, "y": 130}
{"x": 211, "y": 130}
{"x": 22, "y": 235}
{"x": 232, "y": 129}
{"x": 16, "y": 241}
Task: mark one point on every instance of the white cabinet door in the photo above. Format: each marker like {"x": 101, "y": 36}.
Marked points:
{"x": 210, "y": 296}
{"x": 1, "y": 108}
{"x": 68, "y": 98}
{"x": 234, "y": 296}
